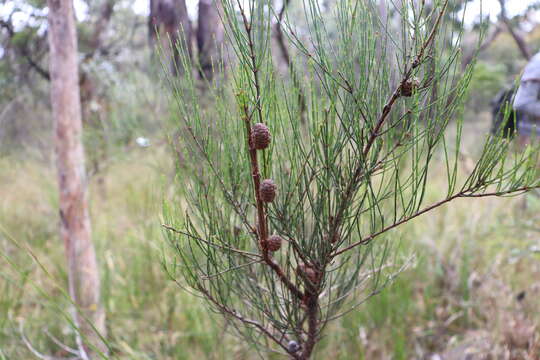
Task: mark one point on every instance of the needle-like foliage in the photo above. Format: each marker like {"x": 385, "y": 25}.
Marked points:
{"x": 379, "y": 92}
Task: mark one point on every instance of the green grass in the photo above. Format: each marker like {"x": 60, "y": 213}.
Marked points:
{"x": 433, "y": 303}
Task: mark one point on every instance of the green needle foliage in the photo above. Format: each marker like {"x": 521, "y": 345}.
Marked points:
{"x": 379, "y": 98}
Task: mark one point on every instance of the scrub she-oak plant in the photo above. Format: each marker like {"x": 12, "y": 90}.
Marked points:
{"x": 283, "y": 224}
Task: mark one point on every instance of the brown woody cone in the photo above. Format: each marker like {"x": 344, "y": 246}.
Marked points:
{"x": 267, "y": 190}
{"x": 260, "y": 136}
{"x": 274, "y": 243}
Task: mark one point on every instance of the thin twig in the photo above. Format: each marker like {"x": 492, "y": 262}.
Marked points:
{"x": 208, "y": 277}
{"x": 233, "y": 313}
{"x": 62, "y": 345}
{"x": 462, "y": 194}
{"x": 223, "y": 247}
{"x": 375, "y": 133}
{"x": 37, "y": 353}
{"x": 24, "y": 52}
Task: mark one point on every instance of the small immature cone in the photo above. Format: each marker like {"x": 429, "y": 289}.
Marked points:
{"x": 408, "y": 87}
{"x": 260, "y": 136}
{"x": 274, "y": 243}
{"x": 332, "y": 239}
{"x": 267, "y": 190}
{"x": 307, "y": 272}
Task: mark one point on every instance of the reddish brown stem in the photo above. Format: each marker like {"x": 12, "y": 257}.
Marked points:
{"x": 261, "y": 212}
{"x": 312, "y": 303}
{"x": 262, "y": 226}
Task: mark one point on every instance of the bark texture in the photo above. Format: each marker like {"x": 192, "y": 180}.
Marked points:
{"x": 210, "y": 34}
{"x": 75, "y": 231}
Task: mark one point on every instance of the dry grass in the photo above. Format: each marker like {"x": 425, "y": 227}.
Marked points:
{"x": 474, "y": 283}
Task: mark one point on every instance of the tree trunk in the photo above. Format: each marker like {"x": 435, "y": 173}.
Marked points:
{"x": 84, "y": 286}
{"x": 100, "y": 26}
{"x": 170, "y": 21}
{"x": 471, "y": 53}
{"x": 210, "y": 33}
{"x": 519, "y": 39}
{"x": 280, "y": 38}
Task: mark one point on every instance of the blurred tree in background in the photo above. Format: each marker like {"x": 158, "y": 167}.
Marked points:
{"x": 84, "y": 284}
{"x": 170, "y": 22}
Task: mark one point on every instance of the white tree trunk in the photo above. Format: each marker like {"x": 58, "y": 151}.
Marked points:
{"x": 84, "y": 286}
